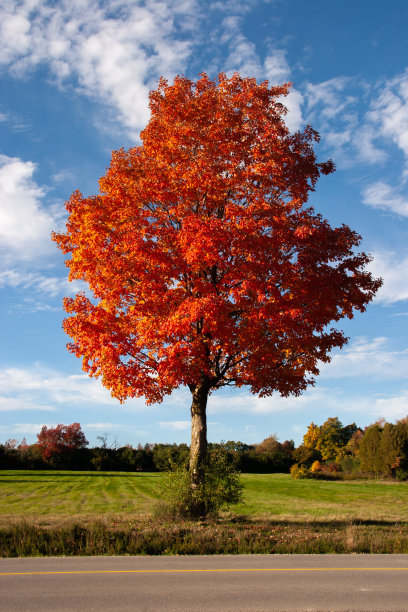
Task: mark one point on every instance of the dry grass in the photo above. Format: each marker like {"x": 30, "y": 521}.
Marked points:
{"x": 226, "y": 535}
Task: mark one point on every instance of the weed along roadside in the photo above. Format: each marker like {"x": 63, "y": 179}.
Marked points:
{"x": 94, "y": 513}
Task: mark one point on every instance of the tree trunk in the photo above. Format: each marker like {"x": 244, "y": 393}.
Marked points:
{"x": 198, "y": 450}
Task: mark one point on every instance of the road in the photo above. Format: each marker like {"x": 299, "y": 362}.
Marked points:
{"x": 217, "y": 583}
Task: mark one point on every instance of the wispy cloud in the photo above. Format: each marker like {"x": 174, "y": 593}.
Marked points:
{"x": 102, "y": 426}
{"x": 355, "y": 131}
{"x": 328, "y": 98}
{"x": 367, "y": 358}
{"x": 242, "y": 56}
{"x": 175, "y": 425}
{"x": 383, "y": 196}
{"x": 13, "y": 122}
{"x": 17, "y": 404}
{"x": 40, "y": 382}
{"x": 38, "y": 282}
{"x": 24, "y": 428}
{"x": 251, "y": 404}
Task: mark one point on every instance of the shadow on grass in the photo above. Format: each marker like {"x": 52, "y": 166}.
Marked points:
{"x": 245, "y": 520}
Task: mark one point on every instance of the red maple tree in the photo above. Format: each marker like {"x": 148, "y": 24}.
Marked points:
{"x": 54, "y": 441}
{"x": 206, "y": 265}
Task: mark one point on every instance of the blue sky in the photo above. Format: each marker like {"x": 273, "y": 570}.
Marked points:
{"x": 74, "y": 79}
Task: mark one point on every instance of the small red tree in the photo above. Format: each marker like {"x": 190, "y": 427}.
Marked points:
{"x": 60, "y": 440}
{"x": 206, "y": 265}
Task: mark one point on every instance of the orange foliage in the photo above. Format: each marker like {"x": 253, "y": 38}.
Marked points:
{"x": 202, "y": 259}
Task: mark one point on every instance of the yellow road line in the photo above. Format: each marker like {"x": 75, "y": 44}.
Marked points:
{"x": 175, "y": 571}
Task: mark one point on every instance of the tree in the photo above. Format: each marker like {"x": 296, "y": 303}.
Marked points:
{"x": 369, "y": 449}
{"x": 393, "y": 449}
{"x": 60, "y": 440}
{"x": 333, "y": 439}
{"x": 206, "y": 267}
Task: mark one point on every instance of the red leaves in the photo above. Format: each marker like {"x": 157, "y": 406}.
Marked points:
{"x": 60, "y": 439}
{"x": 201, "y": 256}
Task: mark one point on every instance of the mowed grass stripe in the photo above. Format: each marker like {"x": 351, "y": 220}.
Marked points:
{"x": 23, "y": 493}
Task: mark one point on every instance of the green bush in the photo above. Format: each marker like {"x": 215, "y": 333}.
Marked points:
{"x": 350, "y": 465}
{"x": 219, "y": 489}
{"x": 401, "y": 474}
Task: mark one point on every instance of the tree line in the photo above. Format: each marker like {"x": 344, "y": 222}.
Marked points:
{"x": 332, "y": 450}
{"x": 66, "y": 448}
{"x": 329, "y": 451}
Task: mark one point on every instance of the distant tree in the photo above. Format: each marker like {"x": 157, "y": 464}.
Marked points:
{"x": 353, "y": 445}
{"x": 269, "y": 445}
{"x": 388, "y": 450}
{"x": 333, "y": 439}
{"x": 369, "y": 451}
{"x": 60, "y": 440}
{"x": 393, "y": 450}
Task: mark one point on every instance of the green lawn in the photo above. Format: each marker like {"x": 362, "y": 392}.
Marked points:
{"x": 279, "y": 496}
{"x": 67, "y": 494}
{"x": 52, "y": 494}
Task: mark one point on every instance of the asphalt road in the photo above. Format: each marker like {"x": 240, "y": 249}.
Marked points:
{"x": 219, "y": 583}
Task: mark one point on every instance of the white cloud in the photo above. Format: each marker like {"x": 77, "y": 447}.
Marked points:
{"x": 39, "y": 283}
{"x": 252, "y": 404}
{"x": 242, "y": 55}
{"x": 28, "y": 428}
{"x": 389, "y": 112}
{"x": 393, "y": 269}
{"x": 101, "y": 426}
{"x": 14, "y": 404}
{"x": 39, "y": 382}
{"x": 13, "y": 122}
{"x": 237, "y": 7}
{"x": 328, "y": 98}
{"x": 383, "y": 196}
{"x": 293, "y": 102}
{"x": 363, "y": 141}
{"x": 331, "y": 107}
{"x": 371, "y": 358}
{"x": 113, "y": 52}
{"x": 175, "y": 425}
{"x": 25, "y": 225}
{"x": 42, "y": 388}
{"x": 392, "y": 408}
{"x": 276, "y": 68}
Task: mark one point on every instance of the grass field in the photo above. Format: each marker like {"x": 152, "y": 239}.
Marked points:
{"x": 66, "y": 494}
{"x": 50, "y": 512}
